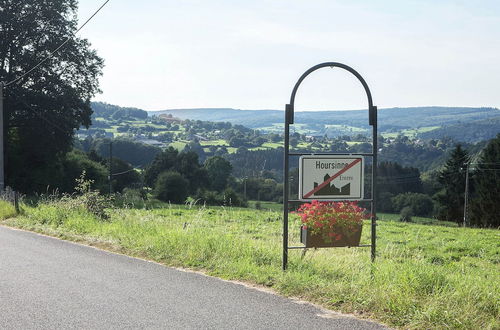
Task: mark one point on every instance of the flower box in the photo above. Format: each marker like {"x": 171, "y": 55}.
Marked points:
{"x": 318, "y": 241}
{"x": 331, "y": 224}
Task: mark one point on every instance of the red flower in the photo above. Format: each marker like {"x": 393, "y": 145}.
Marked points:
{"x": 330, "y": 218}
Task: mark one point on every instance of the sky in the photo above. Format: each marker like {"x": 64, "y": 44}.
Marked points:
{"x": 174, "y": 54}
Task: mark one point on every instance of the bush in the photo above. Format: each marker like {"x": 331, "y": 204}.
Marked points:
{"x": 171, "y": 187}
{"x": 420, "y": 204}
{"x": 7, "y": 210}
{"x": 384, "y": 202}
{"x": 91, "y": 200}
{"x": 226, "y": 198}
{"x": 135, "y": 198}
{"x": 208, "y": 197}
{"x": 230, "y": 197}
{"x": 74, "y": 164}
{"x": 405, "y": 214}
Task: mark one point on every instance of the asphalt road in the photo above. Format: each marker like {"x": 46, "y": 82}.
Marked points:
{"x": 46, "y": 283}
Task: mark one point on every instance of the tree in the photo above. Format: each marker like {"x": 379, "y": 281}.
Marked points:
{"x": 135, "y": 153}
{"x": 452, "y": 179}
{"x": 164, "y": 161}
{"x": 237, "y": 141}
{"x": 189, "y": 167}
{"x": 45, "y": 106}
{"x": 171, "y": 187}
{"x": 219, "y": 171}
{"x": 124, "y": 175}
{"x": 338, "y": 146}
{"x": 195, "y": 146}
{"x": 394, "y": 179}
{"x": 486, "y": 203}
{"x": 184, "y": 163}
{"x": 420, "y": 204}
{"x": 275, "y": 137}
{"x": 73, "y": 164}
{"x": 384, "y": 201}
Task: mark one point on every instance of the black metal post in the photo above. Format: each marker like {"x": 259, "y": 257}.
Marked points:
{"x": 373, "y": 117}
{"x": 2, "y": 139}
{"x": 286, "y": 188}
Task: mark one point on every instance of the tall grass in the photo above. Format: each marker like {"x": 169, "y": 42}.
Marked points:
{"x": 425, "y": 276}
{"x": 7, "y": 210}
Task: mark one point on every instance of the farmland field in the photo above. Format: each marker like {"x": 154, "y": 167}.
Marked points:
{"x": 178, "y": 145}
{"x": 412, "y": 132}
{"x": 219, "y": 142}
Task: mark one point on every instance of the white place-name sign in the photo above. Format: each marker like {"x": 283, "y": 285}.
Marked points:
{"x": 325, "y": 177}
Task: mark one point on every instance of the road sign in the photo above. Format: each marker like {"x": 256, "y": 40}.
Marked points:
{"x": 331, "y": 177}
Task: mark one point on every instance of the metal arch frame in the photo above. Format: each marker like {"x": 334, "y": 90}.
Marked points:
{"x": 289, "y": 119}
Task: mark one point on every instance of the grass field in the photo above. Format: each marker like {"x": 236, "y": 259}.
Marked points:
{"x": 178, "y": 145}
{"x": 272, "y": 145}
{"x": 346, "y": 129}
{"x": 266, "y": 206}
{"x": 219, "y": 142}
{"x": 425, "y": 276}
{"x": 410, "y": 132}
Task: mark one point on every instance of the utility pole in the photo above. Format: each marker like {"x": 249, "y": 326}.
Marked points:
{"x": 2, "y": 175}
{"x": 110, "y": 177}
{"x": 245, "y": 188}
{"x": 466, "y": 198}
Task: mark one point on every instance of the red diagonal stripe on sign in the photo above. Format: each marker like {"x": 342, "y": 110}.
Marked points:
{"x": 336, "y": 175}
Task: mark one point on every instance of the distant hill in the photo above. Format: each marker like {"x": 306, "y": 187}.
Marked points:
{"x": 356, "y": 121}
{"x": 249, "y": 118}
{"x": 417, "y": 137}
{"x": 472, "y": 131}
{"x": 460, "y": 123}
{"x": 106, "y": 110}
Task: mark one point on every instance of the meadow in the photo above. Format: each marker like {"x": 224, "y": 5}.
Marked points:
{"x": 426, "y": 275}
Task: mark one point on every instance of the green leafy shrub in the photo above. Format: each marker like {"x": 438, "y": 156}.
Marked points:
{"x": 384, "y": 202}
{"x": 420, "y": 204}
{"x": 89, "y": 199}
{"x": 405, "y": 214}
{"x": 133, "y": 198}
{"x": 231, "y": 198}
{"x": 226, "y": 198}
{"x": 171, "y": 187}
{"x": 7, "y": 210}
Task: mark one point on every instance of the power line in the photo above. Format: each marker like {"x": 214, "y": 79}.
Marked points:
{"x": 484, "y": 163}
{"x": 120, "y": 173}
{"x": 56, "y": 49}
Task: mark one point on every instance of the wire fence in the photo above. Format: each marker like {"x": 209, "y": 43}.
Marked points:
{"x": 11, "y": 196}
